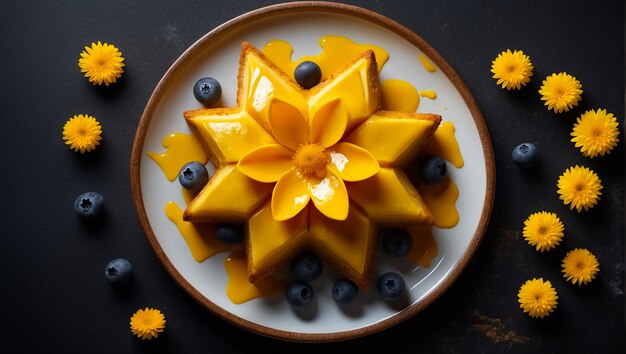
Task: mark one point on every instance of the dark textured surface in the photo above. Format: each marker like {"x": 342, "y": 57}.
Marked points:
{"x": 56, "y": 298}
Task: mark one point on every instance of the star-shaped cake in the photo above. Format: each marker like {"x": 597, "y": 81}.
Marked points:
{"x": 317, "y": 169}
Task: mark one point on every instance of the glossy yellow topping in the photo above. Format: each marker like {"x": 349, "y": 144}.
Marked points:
{"x": 424, "y": 247}
{"x": 444, "y": 144}
{"x": 200, "y": 238}
{"x": 428, "y": 66}
{"x": 351, "y": 240}
{"x": 228, "y": 136}
{"x": 336, "y": 51}
{"x": 239, "y": 289}
{"x": 181, "y": 149}
{"x": 271, "y": 243}
{"x": 399, "y": 95}
{"x": 429, "y": 94}
{"x": 389, "y": 198}
{"x": 393, "y": 137}
{"x": 229, "y": 196}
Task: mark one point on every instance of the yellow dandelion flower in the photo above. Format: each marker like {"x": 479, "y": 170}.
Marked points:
{"x": 595, "y": 132}
{"x": 580, "y": 266}
{"x": 82, "y": 133}
{"x": 561, "y": 92}
{"x": 512, "y": 69}
{"x": 537, "y": 297}
{"x": 580, "y": 187}
{"x": 543, "y": 230}
{"x": 101, "y": 63}
{"x": 147, "y": 323}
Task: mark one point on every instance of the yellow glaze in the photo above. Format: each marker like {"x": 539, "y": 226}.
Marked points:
{"x": 444, "y": 144}
{"x": 350, "y": 240}
{"x": 270, "y": 242}
{"x": 424, "y": 247}
{"x": 356, "y": 89}
{"x": 399, "y": 95}
{"x": 441, "y": 200}
{"x": 336, "y": 51}
{"x": 429, "y": 94}
{"x": 229, "y": 195}
{"x": 200, "y": 238}
{"x": 393, "y": 138}
{"x": 181, "y": 149}
{"x": 389, "y": 198}
{"x": 229, "y": 136}
{"x": 260, "y": 84}
{"x": 428, "y": 66}
{"x": 239, "y": 289}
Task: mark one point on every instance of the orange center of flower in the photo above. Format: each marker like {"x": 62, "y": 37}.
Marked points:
{"x": 310, "y": 158}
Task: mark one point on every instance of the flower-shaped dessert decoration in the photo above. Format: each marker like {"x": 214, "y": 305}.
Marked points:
{"x": 543, "y": 230}
{"x": 101, "y": 63}
{"x": 561, "y": 92}
{"x": 537, "y": 298}
{"x": 579, "y": 187}
{"x": 580, "y": 266}
{"x": 82, "y": 133}
{"x": 284, "y": 146}
{"x": 310, "y": 162}
{"x": 512, "y": 69}
{"x": 147, "y": 323}
{"x": 595, "y": 133}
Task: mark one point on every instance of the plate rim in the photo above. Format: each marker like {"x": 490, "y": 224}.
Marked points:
{"x": 343, "y": 9}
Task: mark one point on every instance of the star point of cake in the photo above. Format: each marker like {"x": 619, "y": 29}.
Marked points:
{"x": 318, "y": 168}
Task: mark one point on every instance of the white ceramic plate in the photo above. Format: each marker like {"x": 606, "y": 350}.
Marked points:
{"x": 302, "y": 25}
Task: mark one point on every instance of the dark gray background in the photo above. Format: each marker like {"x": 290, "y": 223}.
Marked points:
{"x": 56, "y": 298}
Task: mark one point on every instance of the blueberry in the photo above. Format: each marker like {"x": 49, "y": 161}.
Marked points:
{"x": 230, "y": 234}
{"x": 207, "y": 91}
{"x": 306, "y": 267}
{"x": 298, "y": 294}
{"x": 391, "y": 286}
{"x": 397, "y": 242}
{"x": 525, "y": 154}
{"x": 433, "y": 169}
{"x": 89, "y": 206}
{"x": 119, "y": 271}
{"x": 344, "y": 291}
{"x": 193, "y": 176}
{"x": 307, "y": 74}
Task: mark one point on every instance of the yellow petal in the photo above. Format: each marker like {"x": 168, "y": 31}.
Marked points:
{"x": 329, "y": 123}
{"x": 357, "y": 87}
{"x": 266, "y": 163}
{"x": 290, "y": 196}
{"x": 352, "y": 162}
{"x": 330, "y": 195}
{"x": 289, "y": 126}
